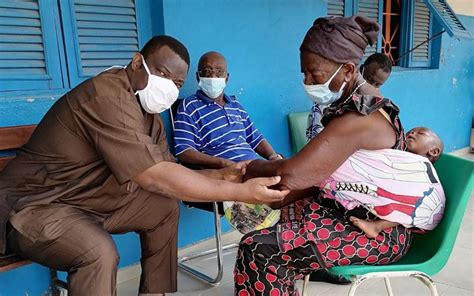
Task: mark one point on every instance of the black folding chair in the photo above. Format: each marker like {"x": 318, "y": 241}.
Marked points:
{"x": 217, "y": 208}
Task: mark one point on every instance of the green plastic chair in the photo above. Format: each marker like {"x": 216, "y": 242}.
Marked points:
{"x": 429, "y": 252}
{"x": 298, "y": 122}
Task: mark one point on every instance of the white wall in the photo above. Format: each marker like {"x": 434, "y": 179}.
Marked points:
{"x": 465, "y": 7}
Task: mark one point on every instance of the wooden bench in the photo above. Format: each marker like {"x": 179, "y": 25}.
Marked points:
{"x": 12, "y": 138}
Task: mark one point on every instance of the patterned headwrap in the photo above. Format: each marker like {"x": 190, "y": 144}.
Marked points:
{"x": 341, "y": 39}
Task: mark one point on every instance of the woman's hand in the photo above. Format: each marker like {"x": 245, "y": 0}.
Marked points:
{"x": 257, "y": 191}
{"x": 259, "y": 168}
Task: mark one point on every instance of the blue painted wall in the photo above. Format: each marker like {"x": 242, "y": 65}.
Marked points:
{"x": 263, "y": 62}
{"x": 261, "y": 41}
{"x": 261, "y": 46}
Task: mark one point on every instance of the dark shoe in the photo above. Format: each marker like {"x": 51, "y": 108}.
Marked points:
{"x": 325, "y": 276}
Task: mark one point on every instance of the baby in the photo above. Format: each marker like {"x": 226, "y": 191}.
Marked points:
{"x": 398, "y": 187}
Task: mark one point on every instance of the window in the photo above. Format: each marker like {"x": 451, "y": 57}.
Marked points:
{"x": 336, "y": 7}
{"x": 98, "y": 34}
{"x": 47, "y": 45}
{"x": 28, "y": 47}
{"x": 371, "y": 9}
{"x": 446, "y": 16}
{"x": 391, "y": 29}
{"x": 415, "y": 48}
{"x": 408, "y": 27}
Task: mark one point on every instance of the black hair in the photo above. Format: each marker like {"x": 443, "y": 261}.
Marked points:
{"x": 159, "y": 41}
{"x": 382, "y": 61}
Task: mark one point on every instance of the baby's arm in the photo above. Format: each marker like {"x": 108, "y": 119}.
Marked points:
{"x": 372, "y": 228}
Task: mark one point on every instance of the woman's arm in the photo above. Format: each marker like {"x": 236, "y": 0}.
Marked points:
{"x": 324, "y": 154}
{"x": 294, "y": 196}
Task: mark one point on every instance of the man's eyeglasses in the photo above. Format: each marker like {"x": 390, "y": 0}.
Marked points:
{"x": 221, "y": 73}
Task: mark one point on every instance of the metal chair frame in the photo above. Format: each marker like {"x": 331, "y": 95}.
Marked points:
{"x": 219, "y": 250}
{"x": 357, "y": 280}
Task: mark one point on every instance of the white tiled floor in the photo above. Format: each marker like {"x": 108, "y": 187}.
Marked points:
{"x": 456, "y": 279}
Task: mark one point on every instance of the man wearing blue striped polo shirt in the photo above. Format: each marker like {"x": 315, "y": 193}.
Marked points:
{"x": 212, "y": 129}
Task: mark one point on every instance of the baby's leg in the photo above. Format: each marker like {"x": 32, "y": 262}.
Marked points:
{"x": 372, "y": 228}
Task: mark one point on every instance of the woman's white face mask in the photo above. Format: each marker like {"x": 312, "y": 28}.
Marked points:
{"x": 159, "y": 93}
{"x": 321, "y": 94}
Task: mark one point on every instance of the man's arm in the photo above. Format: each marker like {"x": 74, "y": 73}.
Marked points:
{"x": 265, "y": 150}
{"x": 324, "y": 154}
{"x": 233, "y": 173}
{"x": 194, "y": 157}
{"x": 175, "y": 181}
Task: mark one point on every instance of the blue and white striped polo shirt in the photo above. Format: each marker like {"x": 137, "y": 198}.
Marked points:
{"x": 209, "y": 128}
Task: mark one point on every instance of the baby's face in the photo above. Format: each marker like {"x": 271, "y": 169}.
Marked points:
{"x": 420, "y": 140}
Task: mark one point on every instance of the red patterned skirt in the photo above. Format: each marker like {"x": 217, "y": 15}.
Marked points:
{"x": 312, "y": 234}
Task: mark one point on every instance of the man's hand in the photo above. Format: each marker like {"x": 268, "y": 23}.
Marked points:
{"x": 226, "y": 162}
{"x": 256, "y": 191}
{"x": 235, "y": 171}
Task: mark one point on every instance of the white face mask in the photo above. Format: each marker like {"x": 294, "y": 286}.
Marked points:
{"x": 212, "y": 87}
{"x": 321, "y": 94}
{"x": 159, "y": 93}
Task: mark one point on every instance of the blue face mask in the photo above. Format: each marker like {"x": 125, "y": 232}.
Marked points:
{"x": 212, "y": 87}
{"x": 321, "y": 94}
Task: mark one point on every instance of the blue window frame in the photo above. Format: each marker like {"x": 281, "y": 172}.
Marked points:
{"x": 418, "y": 28}
{"x": 336, "y": 7}
{"x": 420, "y": 20}
{"x": 447, "y": 18}
{"x": 43, "y": 47}
{"x": 28, "y": 47}
{"x": 98, "y": 34}
{"x": 372, "y": 9}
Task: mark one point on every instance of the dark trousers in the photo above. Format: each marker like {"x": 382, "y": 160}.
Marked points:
{"x": 81, "y": 244}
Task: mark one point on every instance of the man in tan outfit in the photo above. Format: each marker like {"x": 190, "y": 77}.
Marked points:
{"x": 98, "y": 163}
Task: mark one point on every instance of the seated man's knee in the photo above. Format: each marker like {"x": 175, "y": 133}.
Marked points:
{"x": 103, "y": 253}
{"x": 161, "y": 212}
{"x": 169, "y": 207}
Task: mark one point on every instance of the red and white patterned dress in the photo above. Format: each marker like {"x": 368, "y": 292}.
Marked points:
{"x": 315, "y": 233}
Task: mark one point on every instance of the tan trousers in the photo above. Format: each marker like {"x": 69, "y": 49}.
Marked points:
{"x": 81, "y": 244}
